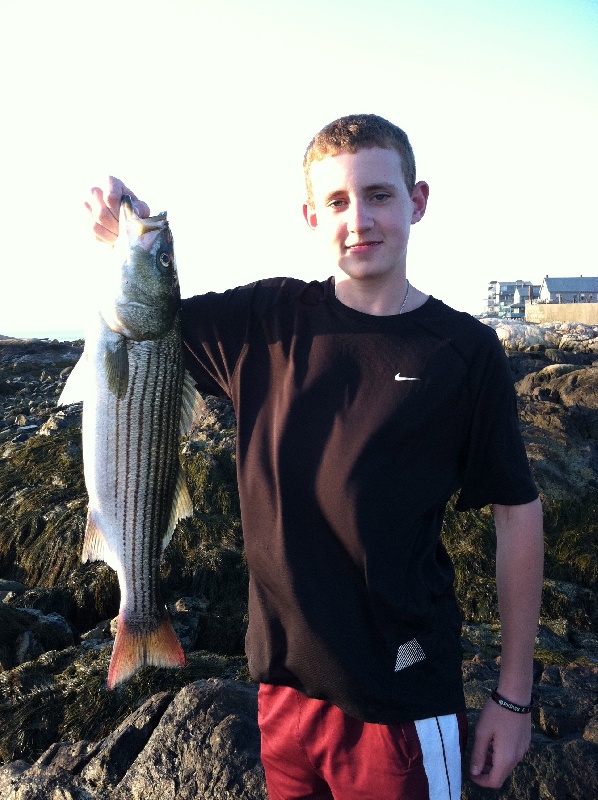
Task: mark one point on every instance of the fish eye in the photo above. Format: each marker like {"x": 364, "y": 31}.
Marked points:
{"x": 164, "y": 259}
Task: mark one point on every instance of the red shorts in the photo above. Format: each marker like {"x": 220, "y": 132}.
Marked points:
{"x": 312, "y": 749}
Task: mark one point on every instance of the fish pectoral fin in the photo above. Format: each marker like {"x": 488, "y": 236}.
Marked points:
{"x": 73, "y": 389}
{"x": 193, "y": 407}
{"x": 95, "y": 546}
{"x": 116, "y": 364}
{"x": 182, "y": 507}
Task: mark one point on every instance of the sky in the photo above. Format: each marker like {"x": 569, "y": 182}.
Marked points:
{"x": 205, "y": 109}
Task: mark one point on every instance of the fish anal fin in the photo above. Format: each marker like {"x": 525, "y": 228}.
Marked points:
{"x": 95, "y": 546}
{"x": 133, "y": 650}
{"x": 182, "y": 507}
{"x": 116, "y": 365}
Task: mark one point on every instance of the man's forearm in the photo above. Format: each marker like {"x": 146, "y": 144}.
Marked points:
{"x": 519, "y": 572}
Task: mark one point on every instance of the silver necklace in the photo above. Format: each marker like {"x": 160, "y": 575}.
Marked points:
{"x": 402, "y": 304}
{"x": 405, "y": 298}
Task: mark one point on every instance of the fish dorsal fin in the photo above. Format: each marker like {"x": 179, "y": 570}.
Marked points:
{"x": 73, "y": 390}
{"x": 95, "y": 547}
{"x": 116, "y": 364}
{"x": 182, "y": 507}
{"x": 193, "y": 407}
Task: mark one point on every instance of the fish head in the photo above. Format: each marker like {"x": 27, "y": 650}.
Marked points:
{"x": 145, "y": 297}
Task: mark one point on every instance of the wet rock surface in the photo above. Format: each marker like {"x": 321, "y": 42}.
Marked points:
{"x": 193, "y": 732}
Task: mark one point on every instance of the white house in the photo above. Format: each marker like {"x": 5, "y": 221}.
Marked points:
{"x": 524, "y": 294}
{"x": 502, "y": 295}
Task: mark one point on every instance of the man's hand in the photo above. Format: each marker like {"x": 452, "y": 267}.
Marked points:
{"x": 104, "y": 208}
{"x": 502, "y": 738}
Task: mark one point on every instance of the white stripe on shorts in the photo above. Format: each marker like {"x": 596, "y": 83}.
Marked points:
{"x": 439, "y": 740}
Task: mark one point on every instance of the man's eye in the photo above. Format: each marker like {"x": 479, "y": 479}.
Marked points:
{"x": 336, "y": 204}
{"x": 379, "y": 197}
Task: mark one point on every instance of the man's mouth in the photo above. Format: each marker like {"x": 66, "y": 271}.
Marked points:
{"x": 361, "y": 247}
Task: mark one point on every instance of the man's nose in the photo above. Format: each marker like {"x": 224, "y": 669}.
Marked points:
{"x": 359, "y": 217}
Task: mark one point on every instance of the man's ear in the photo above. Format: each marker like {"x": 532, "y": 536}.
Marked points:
{"x": 310, "y": 216}
{"x": 419, "y": 196}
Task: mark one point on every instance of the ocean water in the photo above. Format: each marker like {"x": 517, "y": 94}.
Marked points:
{"x": 62, "y": 335}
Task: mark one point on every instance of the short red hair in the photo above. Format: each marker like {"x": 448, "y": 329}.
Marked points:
{"x": 351, "y": 133}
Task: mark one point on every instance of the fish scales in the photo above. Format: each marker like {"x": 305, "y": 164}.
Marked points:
{"x": 137, "y": 400}
{"x": 134, "y": 458}
{"x": 146, "y": 459}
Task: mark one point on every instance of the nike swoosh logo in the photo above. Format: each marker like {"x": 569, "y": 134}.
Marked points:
{"x": 399, "y": 377}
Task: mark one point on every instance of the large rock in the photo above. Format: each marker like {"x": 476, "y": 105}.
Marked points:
{"x": 204, "y": 743}
{"x": 518, "y": 335}
{"x": 207, "y": 745}
{"x": 27, "y": 633}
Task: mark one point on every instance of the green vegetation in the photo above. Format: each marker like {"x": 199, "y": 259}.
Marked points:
{"x": 62, "y": 696}
{"x": 571, "y": 555}
{"x": 42, "y": 509}
{"x": 470, "y": 540}
{"x": 571, "y": 531}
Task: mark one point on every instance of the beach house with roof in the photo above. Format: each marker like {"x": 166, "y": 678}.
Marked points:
{"x": 507, "y": 298}
{"x": 569, "y": 290}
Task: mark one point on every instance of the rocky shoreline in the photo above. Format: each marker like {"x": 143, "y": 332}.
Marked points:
{"x": 192, "y": 732}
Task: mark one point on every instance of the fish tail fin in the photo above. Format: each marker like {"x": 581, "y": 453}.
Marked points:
{"x": 133, "y": 650}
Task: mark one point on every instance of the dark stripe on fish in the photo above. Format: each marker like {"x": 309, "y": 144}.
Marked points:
{"x": 116, "y": 458}
{"x": 151, "y": 439}
{"x": 154, "y": 411}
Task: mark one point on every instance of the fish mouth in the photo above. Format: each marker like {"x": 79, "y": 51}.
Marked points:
{"x": 142, "y": 231}
{"x": 145, "y": 224}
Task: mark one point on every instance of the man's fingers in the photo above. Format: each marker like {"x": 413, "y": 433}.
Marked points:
{"x": 484, "y": 772}
{"x": 104, "y": 223}
{"x": 103, "y": 206}
{"x": 481, "y": 761}
{"x": 113, "y": 193}
{"x": 140, "y": 207}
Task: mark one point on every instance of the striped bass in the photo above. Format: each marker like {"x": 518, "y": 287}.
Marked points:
{"x": 137, "y": 400}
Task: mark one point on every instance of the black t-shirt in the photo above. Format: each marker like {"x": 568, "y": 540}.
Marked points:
{"x": 353, "y": 433}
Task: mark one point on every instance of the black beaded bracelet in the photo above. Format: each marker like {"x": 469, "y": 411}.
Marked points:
{"x": 502, "y": 701}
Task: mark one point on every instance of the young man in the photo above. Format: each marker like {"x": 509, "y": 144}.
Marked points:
{"x": 362, "y": 406}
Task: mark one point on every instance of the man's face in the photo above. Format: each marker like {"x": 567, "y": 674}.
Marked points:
{"x": 364, "y": 211}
